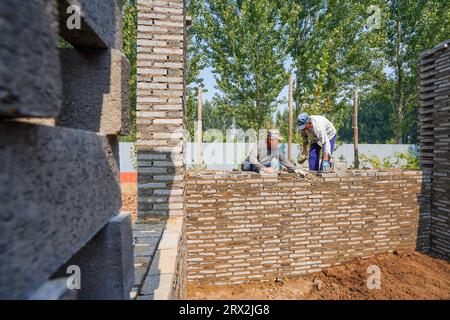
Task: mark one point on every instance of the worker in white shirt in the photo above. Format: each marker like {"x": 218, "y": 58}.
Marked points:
{"x": 320, "y": 134}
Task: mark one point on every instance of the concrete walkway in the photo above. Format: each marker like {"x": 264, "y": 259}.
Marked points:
{"x": 147, "y": 234}
{"x": 158, "y": 258}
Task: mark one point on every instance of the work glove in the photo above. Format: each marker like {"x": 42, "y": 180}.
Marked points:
{"x": 326, "y": 166}
{"x": 267, "y": 170}
{"x": 301, "y": 173}
{"x": 303, "y": 157}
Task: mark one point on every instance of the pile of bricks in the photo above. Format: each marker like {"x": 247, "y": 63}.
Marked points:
{"x": 435, "y": 140}
{"x": 244, "y": 227}
{"x": 160, "y": 144}
{"x": 60, "y": 113}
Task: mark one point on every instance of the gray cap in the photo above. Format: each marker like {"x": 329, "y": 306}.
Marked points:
{"x": 302, "y": 120}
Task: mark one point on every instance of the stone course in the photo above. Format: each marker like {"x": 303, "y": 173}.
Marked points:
{"x": 59, "y": 187}
{"x": 160, "y": 107}
{"x": 106, "y": 262}
{"x": 96, "y": 91}
{"x": 165, "y": 275}
{"x": 29, "y": 64}
{"x": 160, "y": 142}
{"x": 147, "y": 234}
{"x": 101, "y": 23}
{"x": 435, "y": 141}
{"x": 245, "y": 227}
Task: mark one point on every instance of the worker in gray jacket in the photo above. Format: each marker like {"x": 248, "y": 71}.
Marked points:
{"x": 319, "y": 135}
{"x": 260, "y": 158}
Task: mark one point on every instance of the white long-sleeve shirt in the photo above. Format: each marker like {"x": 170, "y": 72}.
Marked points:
{"x": 321, "y": 133}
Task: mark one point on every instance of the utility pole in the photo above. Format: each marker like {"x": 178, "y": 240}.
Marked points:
{"x": 198, "y": 160}
{"x": 290, "y": 120}
{"x": 355, "y": 129}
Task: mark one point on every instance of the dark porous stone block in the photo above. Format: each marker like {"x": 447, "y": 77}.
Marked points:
{"x": 106, "y": 262}
{"x": 58, "y": 188}
{"x": 96, "y": 91}
{"x": 101, "y": 23}
{"x": 30, "y": 84}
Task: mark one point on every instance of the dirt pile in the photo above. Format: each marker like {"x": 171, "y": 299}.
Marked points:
{"x": 129, "y": 201}
{"x": 405, "y": 274}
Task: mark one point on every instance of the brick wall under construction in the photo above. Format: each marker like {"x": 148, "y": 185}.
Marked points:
{"x": 244, "y": 227}
{"x": 435, "y": 141}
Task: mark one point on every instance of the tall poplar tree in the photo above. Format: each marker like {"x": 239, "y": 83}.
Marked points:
{"x": 407, "y": 29}
{"x": 242, "y": 40}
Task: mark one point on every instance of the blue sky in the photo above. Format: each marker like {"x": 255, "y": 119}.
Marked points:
{"x": 210, "y": 83}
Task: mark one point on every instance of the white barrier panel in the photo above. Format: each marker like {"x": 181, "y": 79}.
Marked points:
{"x": 229, "y": 156}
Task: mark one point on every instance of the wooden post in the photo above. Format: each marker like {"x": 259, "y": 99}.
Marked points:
{"x": 198, "y": 160}
{"x": 290, "y": 120}
{"x": 355, "y": 129}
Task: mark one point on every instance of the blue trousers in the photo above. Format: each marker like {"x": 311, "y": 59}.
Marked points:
{"x": 314, "y": 155}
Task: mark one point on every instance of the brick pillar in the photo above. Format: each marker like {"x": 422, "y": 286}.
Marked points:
{"x": 160, "y": 107}
{"x": 435, "y": 141}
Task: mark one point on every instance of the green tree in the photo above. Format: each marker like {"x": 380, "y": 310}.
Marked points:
{"x": 282, "y": 123}
{"x": 243, "y": 43}
{"x": 376, "y": 116}
{"x": 408, "y": 28}
{"x": 215, "y": 118}
{"x": 195, "y": 63}
{"x": 129, "y": 10}
{"x": 334, "y": 52}
{"x": 326, "y": 41}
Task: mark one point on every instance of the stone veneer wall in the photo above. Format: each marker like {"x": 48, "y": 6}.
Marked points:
{"x": 435, "y": 141}
{"x": 244, "y": 227}
{"x": 160, "y": 129}
{"x": 160, "y": 107}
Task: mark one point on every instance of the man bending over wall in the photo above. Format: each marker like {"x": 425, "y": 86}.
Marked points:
{"x": 260, "y": 158}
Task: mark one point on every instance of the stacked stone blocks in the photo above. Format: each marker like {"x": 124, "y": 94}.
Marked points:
{"x": 435, "y": 141}
{"x": 60, "y": 190}
{"x": 245, "y": 227}
{"x": 160, "y": 139}
{"x": 160, "y": 107}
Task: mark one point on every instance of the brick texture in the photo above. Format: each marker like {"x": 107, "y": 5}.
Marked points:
{"x": 435, "y": 141}
{"x": 160, "y": 128}
{"x": 160, "y": 107}
{"x": 244, "y": 227}
{"x": 60, "y": 186}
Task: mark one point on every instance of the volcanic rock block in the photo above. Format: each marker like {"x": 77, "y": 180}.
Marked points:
{"x": 106, "y": 262}
{"x": 58, "y": 188}
{"x": 55, "y": 290}
{"x": 29, "y": 66}
{"x": 96, "y": 91}
{"x": 100, "y": 23}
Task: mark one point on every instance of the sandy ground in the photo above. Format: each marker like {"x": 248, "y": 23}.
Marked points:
{"x": 129, "y": 199}
{"x": 405, "y": 275}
